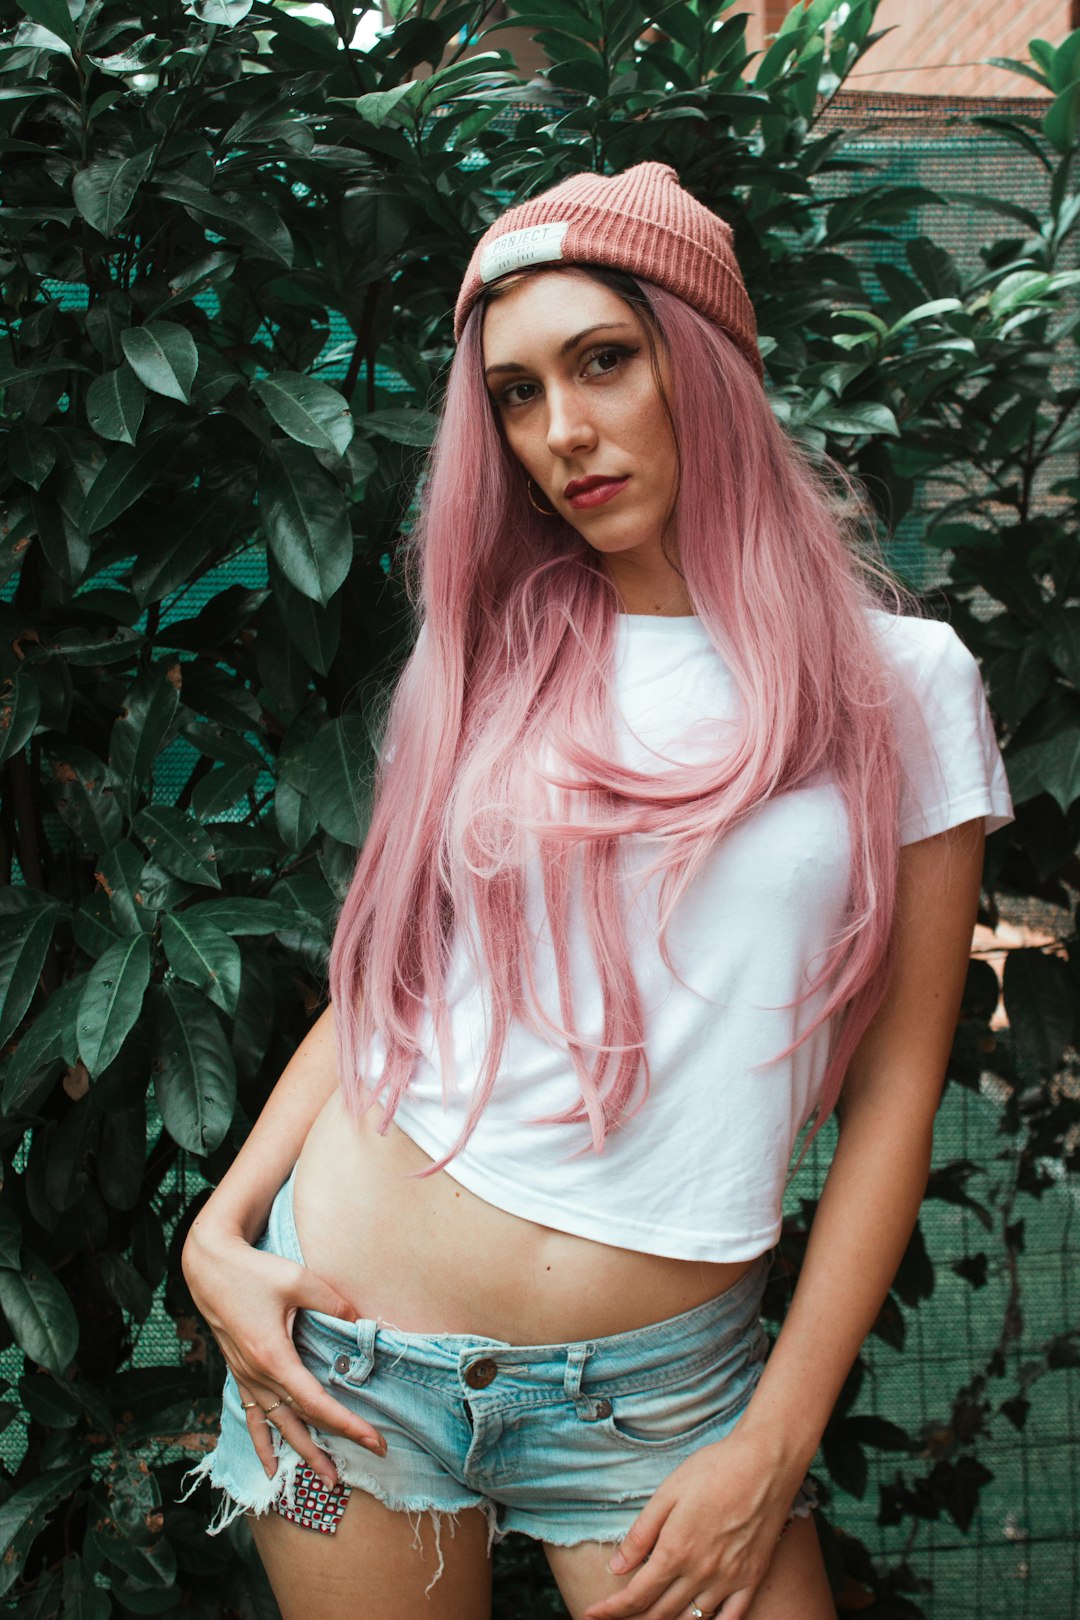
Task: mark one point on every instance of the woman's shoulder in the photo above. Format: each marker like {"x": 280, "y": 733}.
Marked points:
{"x": 919, "y": 649}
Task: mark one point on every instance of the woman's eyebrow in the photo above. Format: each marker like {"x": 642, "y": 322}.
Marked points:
{"x": 564, "y": 348}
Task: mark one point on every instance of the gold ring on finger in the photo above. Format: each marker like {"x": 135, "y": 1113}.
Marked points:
{"x": 247, "y": 1405}
{"x": 286, "y": 1400}
{"x": 272, "y": 1407}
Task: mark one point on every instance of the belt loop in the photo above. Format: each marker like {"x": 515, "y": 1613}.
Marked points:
{"x": 576, "y": 1357}
{"x": 366, "y": 1329}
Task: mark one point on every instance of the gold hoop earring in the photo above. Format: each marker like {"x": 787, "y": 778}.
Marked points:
{"x": 543, "y": 510}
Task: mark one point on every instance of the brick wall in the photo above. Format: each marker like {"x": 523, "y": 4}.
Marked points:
{"x": 937, "y": 47}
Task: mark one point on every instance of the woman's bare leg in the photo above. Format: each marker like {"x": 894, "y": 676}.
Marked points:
{"x": 795, "y": 1588}
{"x": 375, "y": 1568}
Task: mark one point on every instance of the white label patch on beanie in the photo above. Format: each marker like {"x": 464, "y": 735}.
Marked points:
{"x": 535, "y": 244}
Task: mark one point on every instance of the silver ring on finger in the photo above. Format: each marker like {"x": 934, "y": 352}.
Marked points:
{"x": 698, "y": 1614}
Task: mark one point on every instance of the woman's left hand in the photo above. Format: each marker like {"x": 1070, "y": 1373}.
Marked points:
{"x": 706, "y": 1537}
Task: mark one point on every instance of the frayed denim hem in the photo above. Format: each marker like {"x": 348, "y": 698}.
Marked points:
{"x": 266, "y": 1494}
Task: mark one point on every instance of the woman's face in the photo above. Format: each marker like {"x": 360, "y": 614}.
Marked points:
{"x": 567, "y": 366}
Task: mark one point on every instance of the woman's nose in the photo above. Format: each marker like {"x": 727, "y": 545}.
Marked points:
{"x": 569, "y": 428}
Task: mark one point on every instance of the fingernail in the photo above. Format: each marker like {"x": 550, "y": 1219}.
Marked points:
{"x": 617, "y": 1564}
{"x": 271, "y": 1469}
{"x": 377, "y": 1447}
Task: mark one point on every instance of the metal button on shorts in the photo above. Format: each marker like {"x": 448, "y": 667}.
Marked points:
{"x": 480, "y": 1374}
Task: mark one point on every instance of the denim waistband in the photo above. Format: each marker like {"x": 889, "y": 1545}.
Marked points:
{"x": 699, "y": 1333}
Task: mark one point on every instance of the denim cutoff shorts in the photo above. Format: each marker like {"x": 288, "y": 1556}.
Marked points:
{"x": 563, "y": 1442}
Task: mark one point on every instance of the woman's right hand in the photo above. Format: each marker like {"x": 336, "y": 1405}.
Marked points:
{"x": 248, "y": 1298}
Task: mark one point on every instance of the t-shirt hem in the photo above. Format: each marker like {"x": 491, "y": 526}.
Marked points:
{"x": 644, "y": 1237}
{"x": 997, "y": 809}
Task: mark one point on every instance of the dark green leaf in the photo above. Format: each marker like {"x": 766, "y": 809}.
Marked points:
{"x": 24, "y": 1513}
{"x": 142, "y": 726}
{"x": 84, "y": 794}
{"x": 42, "y": 1319}
{"x": 20, "y": 711}
{"x": 340, "y": 758}
{"x": 203, "y": 955}
{"x": 178, "y": 843}
{"x": 194, "y": 1073}
{"x": 131, "y": 1292}
{"x": 163, "y": 356}
{"x": 240, "y": 915}
{"x": 313, "y": 628}
{"x": 51, "y": 1038}
{"x": 112, "y": 1001}
{"x": 306, "y": 521}
{"x": 404, "y": 426}
{"x": 32, "y": 453}
{"x": 53, "y": 15}
{"x": 121, "y": 874}
{"x": 115, "y": 403}
{"x": 121, "y": 1155}
{"x": 309, "y": 411}
{"x": 105, "y": 189}
{"x": 24, "y": 944}
{"x": 125, "y": 477}
{"x": 224, "y": 787}
{"x": 294, "y": 816}
{"x": 10, "y": 1238}
{"x": 234, "y": 217}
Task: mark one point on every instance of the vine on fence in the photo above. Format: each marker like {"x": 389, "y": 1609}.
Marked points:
{"x": 188, "y": 193}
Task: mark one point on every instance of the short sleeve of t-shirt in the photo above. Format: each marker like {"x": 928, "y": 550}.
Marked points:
{"x": 951, "y": 765}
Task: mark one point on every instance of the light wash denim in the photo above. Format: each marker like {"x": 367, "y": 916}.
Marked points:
{"x": 562, "y": 1442}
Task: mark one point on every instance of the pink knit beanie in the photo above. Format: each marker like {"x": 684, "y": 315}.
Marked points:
{"x": 641, "y": 221}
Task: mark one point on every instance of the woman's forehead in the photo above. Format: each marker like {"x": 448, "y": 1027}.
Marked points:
{"x": 545, "y": 307}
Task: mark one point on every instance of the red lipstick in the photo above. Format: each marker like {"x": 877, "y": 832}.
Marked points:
{"x": 593, "y": 491}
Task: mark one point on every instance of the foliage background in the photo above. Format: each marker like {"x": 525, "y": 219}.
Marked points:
{"x": 230, "y": 245}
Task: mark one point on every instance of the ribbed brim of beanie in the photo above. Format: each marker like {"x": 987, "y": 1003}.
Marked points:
{"x": 641, "y": 221}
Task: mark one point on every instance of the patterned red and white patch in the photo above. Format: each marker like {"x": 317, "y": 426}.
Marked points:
{"x": 315, "y": 1507}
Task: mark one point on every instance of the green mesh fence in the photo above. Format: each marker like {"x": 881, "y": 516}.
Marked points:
{"x": 1020, "y": 1559}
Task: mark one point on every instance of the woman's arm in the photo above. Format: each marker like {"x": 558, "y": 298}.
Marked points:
{"x": 878, "y": 1176}
{"x": 717, "y": 1517}
{"x": 249, "y": 1298}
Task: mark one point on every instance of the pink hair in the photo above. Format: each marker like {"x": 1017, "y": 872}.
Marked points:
{"x": 518, "y": 619}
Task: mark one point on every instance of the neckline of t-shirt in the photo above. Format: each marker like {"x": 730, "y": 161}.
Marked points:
{"x": 671, "y": 624}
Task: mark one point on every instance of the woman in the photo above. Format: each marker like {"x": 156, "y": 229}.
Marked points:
{"x": 677, "y": 832}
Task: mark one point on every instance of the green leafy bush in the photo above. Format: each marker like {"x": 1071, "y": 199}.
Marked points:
{"x": 230, "y": 245}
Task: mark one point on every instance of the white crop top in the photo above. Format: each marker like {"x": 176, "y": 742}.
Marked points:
{"x": 699, "y": 1171}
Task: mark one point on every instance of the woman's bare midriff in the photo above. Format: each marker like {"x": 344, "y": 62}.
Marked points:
{"x": 428, "y": 1256}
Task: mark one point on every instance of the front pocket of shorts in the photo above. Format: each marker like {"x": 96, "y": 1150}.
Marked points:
{"x": 677, "y": 1414}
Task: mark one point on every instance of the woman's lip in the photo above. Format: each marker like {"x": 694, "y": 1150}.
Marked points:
{"x": 599, "y": 493}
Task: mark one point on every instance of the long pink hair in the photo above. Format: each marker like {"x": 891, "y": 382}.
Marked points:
{"x": 518, "y": 621}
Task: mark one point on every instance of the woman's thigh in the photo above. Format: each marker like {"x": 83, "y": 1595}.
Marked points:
{"x": 380, "y": 1564}
{"x": 795, "y": 1588}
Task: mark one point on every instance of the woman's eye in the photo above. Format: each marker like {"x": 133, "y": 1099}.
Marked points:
{"x": 505, "y": 396}
{"x": 609, "y": 358}
{"x": 614, "y": 355}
